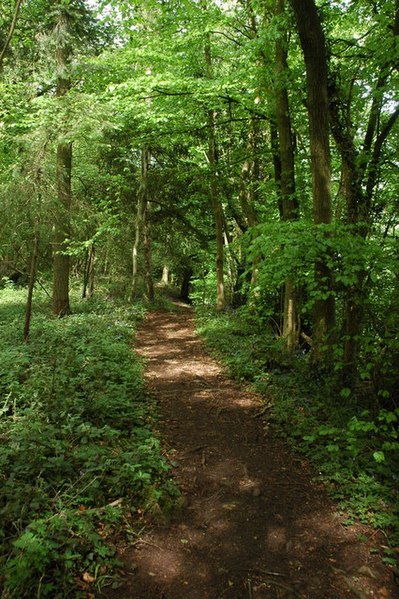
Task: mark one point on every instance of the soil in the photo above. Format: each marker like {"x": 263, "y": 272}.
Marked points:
{"x": 253, "y": 523}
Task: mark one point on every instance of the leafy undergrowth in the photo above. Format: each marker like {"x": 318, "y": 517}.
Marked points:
{"x": 355, "y": 452}
{"x": 78, "y": 460}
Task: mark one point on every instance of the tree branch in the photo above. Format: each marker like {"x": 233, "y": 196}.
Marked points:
{"x": 375, "y": 161}
{"x": 10, "y": 31}
{"x": 385, "y": 132}
{"x": 166, "y": 212}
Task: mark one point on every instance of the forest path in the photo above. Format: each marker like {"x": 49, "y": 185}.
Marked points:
{"x": 253, "y": 524}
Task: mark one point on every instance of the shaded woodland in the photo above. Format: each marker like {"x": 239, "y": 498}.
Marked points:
{"x": 242, "y": 154}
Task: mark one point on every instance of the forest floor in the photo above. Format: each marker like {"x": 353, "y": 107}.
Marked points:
{"x": 253, "y": 523}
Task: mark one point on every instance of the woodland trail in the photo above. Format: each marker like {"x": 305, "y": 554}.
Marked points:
{"x": 253, "y": 524}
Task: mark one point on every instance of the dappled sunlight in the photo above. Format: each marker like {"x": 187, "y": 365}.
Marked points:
{"x": 251, "y": 518}
{"x": 162, "y": 564}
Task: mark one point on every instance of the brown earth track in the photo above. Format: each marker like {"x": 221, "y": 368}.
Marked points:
{"x": 253, "y": 525}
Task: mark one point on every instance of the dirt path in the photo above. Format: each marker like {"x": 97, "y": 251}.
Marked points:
{"x": 253, "y": 525}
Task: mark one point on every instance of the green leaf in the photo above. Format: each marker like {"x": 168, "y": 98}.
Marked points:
{"x": 345, "y": 392}
{"x": 379, "y": 456}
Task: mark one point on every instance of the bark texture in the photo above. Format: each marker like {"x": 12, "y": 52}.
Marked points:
{"x": 288, "y": 200}
{"x": 88, "y": 285}
{"x": 31, "y": 286}
{"x": 62, "y": 231}
{"x": 62, "y": 224}
{"x": 214, "y": 192}
{"x": 313, "y": 45}
{"x": 145, "y": 165}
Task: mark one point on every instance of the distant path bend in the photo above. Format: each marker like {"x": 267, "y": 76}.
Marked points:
{"x": 254, "y": 525}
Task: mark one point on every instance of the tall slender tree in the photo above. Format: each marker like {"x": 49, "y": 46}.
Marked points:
{"x": 213, "y": 189}
{"x": 62, "y": 224}
{"x": 289, "y": 201}
{"x": 314, "y": 50}
{"x": 145, "y": 166}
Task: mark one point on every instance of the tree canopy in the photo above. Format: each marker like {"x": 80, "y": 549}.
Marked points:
{"x": 248, "y": 144}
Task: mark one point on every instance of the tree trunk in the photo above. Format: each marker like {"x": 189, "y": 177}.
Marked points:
{"x": 165, "y": 276}
{"x": 289, "y": 203}
{"x": 352, "y": 192}
{"x": 62, "y": 225}
{"x": 214, "y": 192}
{"x": 32, "y": 281}
{"x": 36, "y": 242}
{"x": 145, "y": 164}
{"x": 185, "y": 285}
{"x": 313, "y": 45}
{"x": 135, "y": 248}
{"x": 147, "y": 256}
{"x": 88, "y": 284}
{"x": 275, "y": 147}
{"x": 218, "y": 213}
{"x": 250, "y": 176}
{"x": 61, "y": 261}
{"x": 142, "y": 225}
